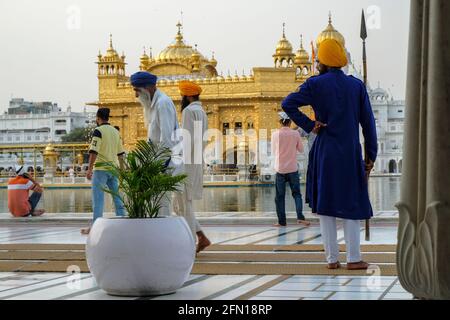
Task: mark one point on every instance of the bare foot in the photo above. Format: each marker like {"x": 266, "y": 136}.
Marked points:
{"x": 203, "y": 243}
{"x": 86, "y": 231}
{"x": 304, "y": 222}
{"x": 38, "y": 213}
{"x": 277, "y": 225}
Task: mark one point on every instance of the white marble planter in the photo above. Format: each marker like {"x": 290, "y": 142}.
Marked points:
{"x": 140, "y": 257}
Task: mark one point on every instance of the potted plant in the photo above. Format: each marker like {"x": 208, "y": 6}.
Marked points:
{"x": 142, "y": 255}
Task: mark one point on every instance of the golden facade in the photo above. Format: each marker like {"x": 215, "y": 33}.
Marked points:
{"x": 239, "y": 102}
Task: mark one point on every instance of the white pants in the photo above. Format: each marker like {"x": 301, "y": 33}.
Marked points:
{"x": 166, "y": 206}
{"x": 183, "y": 207}
{"x": 330, "y": 243}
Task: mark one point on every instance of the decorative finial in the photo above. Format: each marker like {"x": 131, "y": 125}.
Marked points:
{"x": 196, "y": 48}
{"x": 301, "y": 41}
{"x": 151, "y": 54}
{"x": 110, "y": 41}
{"x": 144, "y": 51}
{"x": 179, "y": 37}
{"x": 213, "y": 55}
{"x": 329, "y": 18}
{"x": 284, "y": 29}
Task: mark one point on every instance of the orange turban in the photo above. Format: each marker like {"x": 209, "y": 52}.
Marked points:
{"x": 189, "y": 89}
{"x": 332, "y": 54}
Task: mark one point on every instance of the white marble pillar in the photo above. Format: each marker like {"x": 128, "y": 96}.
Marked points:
{"x": 423, "y": 257}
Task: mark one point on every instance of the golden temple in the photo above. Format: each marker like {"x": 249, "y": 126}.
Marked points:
{"x": 237, "y": 103}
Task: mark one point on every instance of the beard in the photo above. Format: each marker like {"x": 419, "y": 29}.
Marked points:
{"x": 145, "y": 98}
{"x": 184, "y": 103}
{"x": 146, "y": 101}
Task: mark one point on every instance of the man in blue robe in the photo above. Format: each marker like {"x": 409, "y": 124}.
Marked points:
{"x": 337, "y": 179}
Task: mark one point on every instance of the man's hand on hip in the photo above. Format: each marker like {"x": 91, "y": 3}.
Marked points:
{"x": 318, "y": 126}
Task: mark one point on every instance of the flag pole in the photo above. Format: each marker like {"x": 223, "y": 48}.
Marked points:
{"x": 364, "y": 37}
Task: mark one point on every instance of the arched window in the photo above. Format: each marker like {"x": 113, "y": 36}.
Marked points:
{"x": 250, "y": 123}
{"x": 225, "y": 128}
{"x": 392, "y": 166}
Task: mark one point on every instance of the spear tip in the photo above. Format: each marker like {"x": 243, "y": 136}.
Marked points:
{"x": 363, "y": 26}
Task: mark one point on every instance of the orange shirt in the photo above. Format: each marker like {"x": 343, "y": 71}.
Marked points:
{"x": 18, "y": 189}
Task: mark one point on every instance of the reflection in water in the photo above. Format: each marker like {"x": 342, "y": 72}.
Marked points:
{"x": 384, "y": 193}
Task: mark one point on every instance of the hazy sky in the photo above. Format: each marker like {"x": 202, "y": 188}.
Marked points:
{"x": 48, "y": 51}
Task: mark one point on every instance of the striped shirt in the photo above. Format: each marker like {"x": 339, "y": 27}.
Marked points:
{"x": 18, "y": 189}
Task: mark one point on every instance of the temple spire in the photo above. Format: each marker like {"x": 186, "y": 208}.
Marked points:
{"x": 110, "y": 41}
{"x": 179, "y": 36}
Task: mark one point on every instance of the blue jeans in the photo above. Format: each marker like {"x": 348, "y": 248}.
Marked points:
{"x": 34, "y": 200}
{"x": 105, "y": 180}
{"x": 280, "y": 185}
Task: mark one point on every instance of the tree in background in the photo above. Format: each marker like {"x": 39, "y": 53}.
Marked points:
{"x": 79, "y": 135}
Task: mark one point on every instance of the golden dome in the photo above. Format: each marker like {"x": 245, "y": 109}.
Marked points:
{"x": 144, "y": 56}
{"x": 284, "y": 47}
{"x": 178, "y": 50}
{"x": 213, "y": 61}
{"x": 330, "y": 33}
{"x": 220, "y": 77}
{"x": 111, "y": 52}
{"x": 244, "y": 77}
{"x": 50, "y": 150}
{"x": 229, "y": 78}
{"x": 302, "y": 56}
{"x": 236, "y": 77}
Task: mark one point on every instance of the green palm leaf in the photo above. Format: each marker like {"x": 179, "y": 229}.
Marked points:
{"x": 146, "y": 181}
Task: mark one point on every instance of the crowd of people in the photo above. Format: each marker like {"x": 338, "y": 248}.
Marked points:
{"x": 337, "y": 176}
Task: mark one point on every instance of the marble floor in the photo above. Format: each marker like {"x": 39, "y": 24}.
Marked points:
{"x": 36, "y": 286}
{"x": 203, "y": 216}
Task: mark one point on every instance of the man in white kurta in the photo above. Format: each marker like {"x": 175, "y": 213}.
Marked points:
{"x": 160, "y": 118}
{"x": 194, "y": 124}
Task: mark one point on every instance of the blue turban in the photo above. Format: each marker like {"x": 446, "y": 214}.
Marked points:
{"x": 143, "y": 79}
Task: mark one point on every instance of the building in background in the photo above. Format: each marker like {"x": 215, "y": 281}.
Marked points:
{"x": 39, "y": 123}
{"x": 238, "y": 106}
{"x": 29, "y": 128}
{"x": 389, "y": 115}
{"x": 19, "y": 106}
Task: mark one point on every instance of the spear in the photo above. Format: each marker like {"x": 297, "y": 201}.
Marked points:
{"x": 364, "y": 37}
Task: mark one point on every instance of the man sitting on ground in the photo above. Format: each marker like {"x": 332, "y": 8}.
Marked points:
{"x": 19, "y": 204}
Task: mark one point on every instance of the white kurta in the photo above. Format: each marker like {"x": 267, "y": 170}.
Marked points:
{"x": 161, "y": 120}
{"x": 195, "y": 122}
{"x": 162, "y": 123}
{"x": 195, "y": 125}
